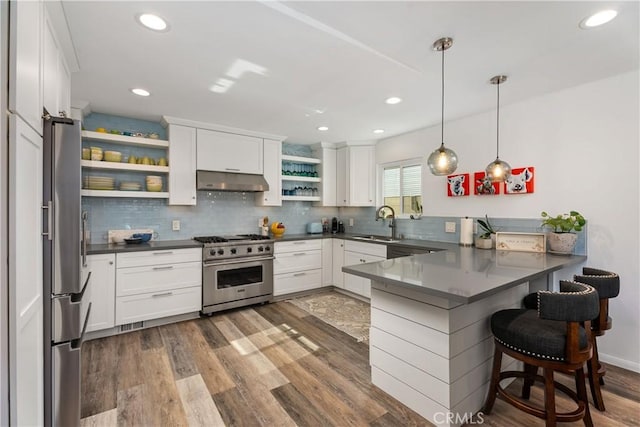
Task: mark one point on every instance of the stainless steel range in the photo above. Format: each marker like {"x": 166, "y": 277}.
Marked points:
{"x": 237, "y": 271}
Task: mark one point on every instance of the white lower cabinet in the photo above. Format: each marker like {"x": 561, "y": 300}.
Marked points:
{"x": 360, "y": 253}
{"x": 327, "y": 262}
{"x": 101, "y": 291}
{"x": 154, "y": 284}
{"x": 297, "y": 266}
{"x": 337, "y": 262}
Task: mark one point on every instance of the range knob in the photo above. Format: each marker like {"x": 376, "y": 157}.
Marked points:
{"x": 267, "y": 248}
{"x": 212, "y": 252}
{"x": 249, "y": 250}
{"x": 220, "y": 251}
{"x": 233, "y": 250}
{"x": 260, "y": 249}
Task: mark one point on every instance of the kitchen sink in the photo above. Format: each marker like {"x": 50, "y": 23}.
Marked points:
{"x": 376, "y": 239}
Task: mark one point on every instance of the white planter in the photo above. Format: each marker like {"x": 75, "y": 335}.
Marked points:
{"x": 562, "y": 242}
{"x": 485, "y": 243}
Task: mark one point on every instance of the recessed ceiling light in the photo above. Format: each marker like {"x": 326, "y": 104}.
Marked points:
{"x": 598, "y": 19}
{"x": 378, "y": 131}
{"x": 393, "y": 100}
{"x": 323, "y": 128}
{"x": 140, "y": 92}
{"x": 153, "y": 22}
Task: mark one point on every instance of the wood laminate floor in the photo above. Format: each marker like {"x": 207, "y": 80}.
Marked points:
{"x": 271, "y": 365}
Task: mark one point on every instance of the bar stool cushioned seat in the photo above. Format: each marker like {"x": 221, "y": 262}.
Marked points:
{"x": 521, "y": 330}
{"x": 556, "y": 337}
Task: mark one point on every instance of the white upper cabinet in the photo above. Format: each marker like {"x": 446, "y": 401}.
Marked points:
{"x": 228, "y": 152}
{"x": 182, "y": 165}
{"x": 272, "y": 173}
{"x": 55, "y": 72}
{"x": 362, "y": 175}
{"x": 356, "y": 175}
{"x": 25, "y": 71}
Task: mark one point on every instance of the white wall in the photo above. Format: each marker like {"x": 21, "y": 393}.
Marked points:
{"x": 574, "y": 138}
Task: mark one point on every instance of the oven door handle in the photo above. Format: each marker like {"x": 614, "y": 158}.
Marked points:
{"x": 240, "y": 261}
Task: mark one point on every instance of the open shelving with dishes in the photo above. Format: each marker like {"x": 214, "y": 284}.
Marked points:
{"x": 303, "y": 171}
{"x": 143, "y": 147}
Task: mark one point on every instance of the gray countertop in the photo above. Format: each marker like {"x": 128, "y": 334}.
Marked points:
{"x": 109, "y": 248}
{"x": 463, "y": 274}
{"x": 427, "y": 244}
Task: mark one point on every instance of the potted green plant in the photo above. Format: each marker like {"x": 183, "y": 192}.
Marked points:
{"x": 486, "y": 237}
{"x": 562, "y": 237}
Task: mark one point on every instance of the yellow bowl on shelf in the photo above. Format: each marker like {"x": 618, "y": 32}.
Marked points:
{"x": 154, "y": 187}
{"x": 113, "y": 156}
{"x": 86, "y": 154}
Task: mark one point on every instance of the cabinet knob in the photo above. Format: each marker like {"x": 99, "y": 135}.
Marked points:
{"x": 110, "y": 262}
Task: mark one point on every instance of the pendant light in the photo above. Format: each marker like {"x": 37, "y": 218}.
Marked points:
{"x": 443, "y": 161}
{"x": 498, "y": 170}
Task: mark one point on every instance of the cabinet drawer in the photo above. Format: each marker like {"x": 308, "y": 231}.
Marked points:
{"x": 161, "y": 256}
{"x": 297, "y": 261}
{"x": 298, "y": 246}
{"x": 366, "y": 248}
{"x": 295, "y": 282}
{"x": 155, "y": 278}
{"x": 135, "y": 308}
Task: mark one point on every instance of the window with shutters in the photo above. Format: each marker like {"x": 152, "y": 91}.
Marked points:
{"x": 402, "y": 186}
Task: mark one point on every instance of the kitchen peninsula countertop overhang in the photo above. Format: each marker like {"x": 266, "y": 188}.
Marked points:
{"x": 463, "y": 274}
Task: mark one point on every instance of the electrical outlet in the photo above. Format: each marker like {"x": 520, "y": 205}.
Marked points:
{"x": 350, "y": 222}
{"x": 449, "y": 227}
{"x": 175, "y": 225}
{"x": 475, "y": 228}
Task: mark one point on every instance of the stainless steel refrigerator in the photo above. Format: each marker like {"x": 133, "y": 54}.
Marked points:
{"x": 64, "y": 226}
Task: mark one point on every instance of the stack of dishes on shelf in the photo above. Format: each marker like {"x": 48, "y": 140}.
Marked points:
{"x": 99, "y": 183}
{"x": 113, "y": 156}
{"x": 96, "y": 153}
{"x": 154, "y": 183}
{"x": 130, "y": 186}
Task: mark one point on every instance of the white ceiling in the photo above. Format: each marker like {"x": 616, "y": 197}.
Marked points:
{"x": 340, "y": 58}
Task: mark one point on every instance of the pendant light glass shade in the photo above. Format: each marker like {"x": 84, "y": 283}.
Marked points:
{"x": 443, "y": 161}
{"x": 498, "y": 170}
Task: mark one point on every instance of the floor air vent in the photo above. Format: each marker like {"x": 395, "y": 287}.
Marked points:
{"x": 131, "y": 326}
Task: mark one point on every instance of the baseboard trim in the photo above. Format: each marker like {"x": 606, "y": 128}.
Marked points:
{"x": 621, "y": 363}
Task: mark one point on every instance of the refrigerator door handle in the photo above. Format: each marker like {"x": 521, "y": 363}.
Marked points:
{"x": 76, "y": 343}
{"x": 84, "y": 238}
{"x": 78, "y": 297}
{"x": 49, "y": 232}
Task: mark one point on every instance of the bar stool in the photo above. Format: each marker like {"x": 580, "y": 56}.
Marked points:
{"x": 608, "y": 286}
{"x": 552, "y": 338}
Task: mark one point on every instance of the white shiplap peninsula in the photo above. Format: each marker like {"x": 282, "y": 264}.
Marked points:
{"x": 430, "y": 339}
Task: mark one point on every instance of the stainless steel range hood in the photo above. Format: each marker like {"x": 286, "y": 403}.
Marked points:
{"x": 226, "y": 181}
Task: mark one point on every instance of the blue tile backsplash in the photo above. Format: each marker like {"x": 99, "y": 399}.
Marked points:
{"x": 219, "y": 213}
{"x": 216, "y": 213}
{"x": 432, "y": 228}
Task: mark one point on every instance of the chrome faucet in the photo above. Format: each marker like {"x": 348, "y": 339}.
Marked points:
{"x": 380, "y": 214}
